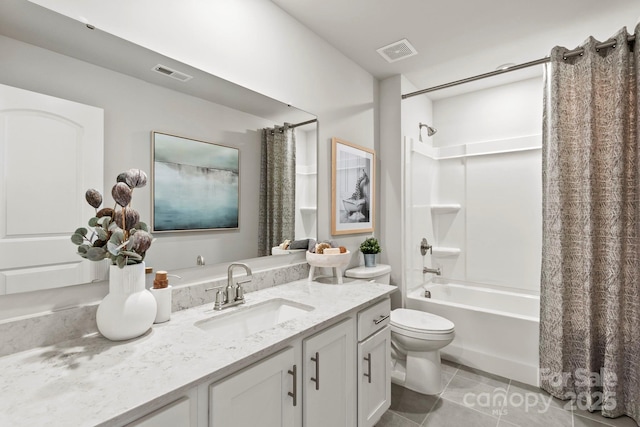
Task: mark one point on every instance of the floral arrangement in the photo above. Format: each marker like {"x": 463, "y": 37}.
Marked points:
{"x": 117, "y": 233}
{"x": 370, "y": 246}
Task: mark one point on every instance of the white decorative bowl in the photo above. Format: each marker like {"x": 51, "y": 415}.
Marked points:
{"x": 335, "y": 261}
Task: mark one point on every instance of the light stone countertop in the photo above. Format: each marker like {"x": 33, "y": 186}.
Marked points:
{"x": 92, "y": 381}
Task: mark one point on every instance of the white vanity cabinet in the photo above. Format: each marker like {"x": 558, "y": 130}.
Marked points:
{"x": 329, "y": 388}
{"x": 314, "y": 378}
{"x": 338, "y": 377}
{"x": 180, "y": 413}
{"x": 265, "y": 394}
{"x": 374, "y": 363}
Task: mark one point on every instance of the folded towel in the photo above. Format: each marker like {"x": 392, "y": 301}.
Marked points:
{"x": 299, "y": 244}
{"x": 312, "y": 246}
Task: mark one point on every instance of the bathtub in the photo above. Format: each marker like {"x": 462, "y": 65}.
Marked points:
{"x": 496, "y": 330}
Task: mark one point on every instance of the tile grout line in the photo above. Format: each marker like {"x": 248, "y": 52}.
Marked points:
{"x": 405, "y": 418}
{"x": 439, "y": 396}
{"x": 505, "y": 403}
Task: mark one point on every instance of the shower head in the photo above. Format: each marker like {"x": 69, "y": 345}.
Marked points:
{"x": 430, "y": 131}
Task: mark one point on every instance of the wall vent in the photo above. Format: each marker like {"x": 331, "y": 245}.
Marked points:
{"x": 397, "y": 51}
{"x": 174, "y": 74}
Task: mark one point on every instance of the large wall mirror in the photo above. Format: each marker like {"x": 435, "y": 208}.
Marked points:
{"x": 135, "y": 92}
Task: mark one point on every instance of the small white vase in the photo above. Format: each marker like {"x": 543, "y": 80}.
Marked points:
{"x": 129, "y": 309}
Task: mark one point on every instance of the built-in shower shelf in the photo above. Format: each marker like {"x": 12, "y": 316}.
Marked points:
{"x": 308, "y": 210}
{"x": 444, "y": 252}
{"x": 445, "y": 208}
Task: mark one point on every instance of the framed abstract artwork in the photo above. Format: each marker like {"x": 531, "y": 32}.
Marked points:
{"x": 352, "y": 188}
{"x": 195, "y": 185}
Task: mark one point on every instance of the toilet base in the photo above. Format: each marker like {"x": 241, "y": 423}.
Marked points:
{"x": 424, "y": 372}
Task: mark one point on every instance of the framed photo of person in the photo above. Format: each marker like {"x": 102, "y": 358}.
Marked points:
{"x": 352, "y": 188}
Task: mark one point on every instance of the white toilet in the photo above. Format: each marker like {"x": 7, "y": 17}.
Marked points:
{"x": 416, "y": 339}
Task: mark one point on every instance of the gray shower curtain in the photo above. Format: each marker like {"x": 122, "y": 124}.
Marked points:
{"x": 590, "y": 282}
{"x": 276, "y": 214}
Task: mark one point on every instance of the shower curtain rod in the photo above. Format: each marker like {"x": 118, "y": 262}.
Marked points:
{"x": 295, "y": 125}
{"x": 568, "y": 54}
{"x": 308, "y": 122}
{"x": 292, "y": 126}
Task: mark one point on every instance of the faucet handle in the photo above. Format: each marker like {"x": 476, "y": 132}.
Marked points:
{"x": 219, "y": 296}
{"x": 240, "y": 289}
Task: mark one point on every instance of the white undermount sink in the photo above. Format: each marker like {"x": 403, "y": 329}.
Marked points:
{"x": 247, "y": 320}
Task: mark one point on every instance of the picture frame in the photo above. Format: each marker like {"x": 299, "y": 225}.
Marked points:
{"x": 195, "y": 185}
{"x": 352, "y": 188}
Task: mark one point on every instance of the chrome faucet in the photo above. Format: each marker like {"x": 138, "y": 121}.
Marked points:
{"x": 230, "y": 295}
{"x": 234, "y": 295}
{"x": 435, "y": 271}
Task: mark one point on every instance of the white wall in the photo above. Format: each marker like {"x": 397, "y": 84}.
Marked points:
{"x": 388, "y": 164}
{"x": 499, "y": 225}
{"x": 499, "y": 112}
{"x": 249, "y": 42}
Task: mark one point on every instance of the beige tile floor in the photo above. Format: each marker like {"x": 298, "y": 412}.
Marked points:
{"x": 472, "y": 398}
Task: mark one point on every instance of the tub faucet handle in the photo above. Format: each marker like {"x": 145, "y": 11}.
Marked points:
{"x": 425, "y": 246}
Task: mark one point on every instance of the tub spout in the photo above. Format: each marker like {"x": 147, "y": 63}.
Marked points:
{"x": 435, "y": 271}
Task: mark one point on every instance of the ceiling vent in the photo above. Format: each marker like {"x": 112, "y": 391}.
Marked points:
{"x": 174, "y": 74}
{"x": 397, "y": 51}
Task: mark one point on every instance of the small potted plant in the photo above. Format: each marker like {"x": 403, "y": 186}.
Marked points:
{"x": 369, "y": 249}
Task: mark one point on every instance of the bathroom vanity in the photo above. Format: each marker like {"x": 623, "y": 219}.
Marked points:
{"x": 246, "y": 369}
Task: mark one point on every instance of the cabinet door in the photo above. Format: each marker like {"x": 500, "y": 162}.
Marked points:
{"x": 264, "y": 394}
{"x": 374, "y": 377}
{"x": 329, "y": 377}
{"x": 176, "y": 414}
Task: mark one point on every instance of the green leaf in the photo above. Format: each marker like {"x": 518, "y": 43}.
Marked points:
{"x": 81, "y": 231}
{"x": 105, "y": 220}
{"x": 93, "y": 221}
{"x": 102, "y": 233}
{"x": 82, "y": 249}
{"x": 77, "y": 239}
{"x": 142, "y": 226}
{"x": 96, "y": 254}
{"x": 113, "y": 248}
{"x": 117, "y": 237}
{"x": 131, "y": 255}
{"x": 121, "y": 261}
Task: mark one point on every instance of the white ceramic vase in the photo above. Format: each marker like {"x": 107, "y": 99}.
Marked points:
{"x": 129, "y": 309}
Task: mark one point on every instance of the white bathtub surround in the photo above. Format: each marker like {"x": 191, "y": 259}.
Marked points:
{"x": 496, "y": 330}
{"x": 91, "y": 381}
{"x": 42, "y": 329}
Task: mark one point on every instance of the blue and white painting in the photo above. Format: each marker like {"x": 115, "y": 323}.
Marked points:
{"x": 195, "y": 184}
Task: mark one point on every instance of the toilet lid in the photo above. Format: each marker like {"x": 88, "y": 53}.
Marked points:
{"x": 419, "y": 321}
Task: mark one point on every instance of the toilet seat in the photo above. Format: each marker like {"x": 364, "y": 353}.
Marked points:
{"x": 418, "y": 324}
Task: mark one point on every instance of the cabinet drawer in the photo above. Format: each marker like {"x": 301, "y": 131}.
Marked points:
{"x": 373, "y": 319}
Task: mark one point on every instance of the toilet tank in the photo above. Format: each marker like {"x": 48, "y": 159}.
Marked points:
{"x": 381, "y": 273}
